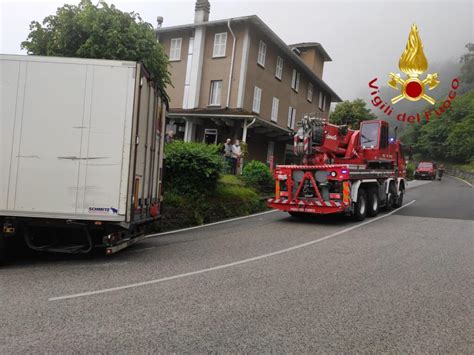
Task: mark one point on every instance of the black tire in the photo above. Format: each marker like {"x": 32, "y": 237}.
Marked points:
{"x": 372, "y": 203}
{"x": 399, "y": 200}
{"x": 318, "y": 135}
{"x": 3, "y": 247}
{"x": 391, "y": 197}
{"x": 360, "y": 207}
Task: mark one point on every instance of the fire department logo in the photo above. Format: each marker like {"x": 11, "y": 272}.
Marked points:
{"x": 413, "y": 63}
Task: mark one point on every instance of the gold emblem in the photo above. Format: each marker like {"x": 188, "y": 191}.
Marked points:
{"x": 413, "y": 63}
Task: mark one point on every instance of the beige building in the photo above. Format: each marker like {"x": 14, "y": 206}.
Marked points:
{"x": 235, "y": 78}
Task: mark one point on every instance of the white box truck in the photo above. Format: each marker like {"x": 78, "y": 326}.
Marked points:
{"x": 81, "y": 152}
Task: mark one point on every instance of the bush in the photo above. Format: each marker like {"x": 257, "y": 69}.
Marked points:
{"x": 410, "y": 171}
{"x": 231, "y": 180}
{"x": 191, "y": 167}
{"x": 257, "y": 175}
{"x": 227, "y": 201}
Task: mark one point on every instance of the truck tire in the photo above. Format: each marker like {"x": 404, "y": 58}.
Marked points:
{"x": 3, "y": 254}
{"x": 360, "y": 207}
{"x": 391, "y": 197}
{"x": 318, "y": 135}
{"x": 399, "y": 200}
{"x": 372, "y": 203}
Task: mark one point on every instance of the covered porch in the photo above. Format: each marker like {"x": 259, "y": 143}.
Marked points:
{"x": 266, "y": 141}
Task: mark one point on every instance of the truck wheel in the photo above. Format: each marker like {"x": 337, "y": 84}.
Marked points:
{"x": 399, "y": 200}
{"x": 318, "y": 135}
{"x": 3, "y": 253}
{"x": 372, "y": 203}
{"x": 391, "y": 197}
{"x": 360, "y": 208}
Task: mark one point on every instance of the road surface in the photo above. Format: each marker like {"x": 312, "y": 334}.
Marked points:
{"x": 398, "y": 283}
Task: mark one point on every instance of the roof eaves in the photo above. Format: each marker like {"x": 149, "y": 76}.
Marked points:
{"x": 297, "y": 59}
{"x": 283, "y": 46}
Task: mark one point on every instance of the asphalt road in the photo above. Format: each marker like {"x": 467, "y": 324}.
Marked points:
{"x": 399, "y": 283}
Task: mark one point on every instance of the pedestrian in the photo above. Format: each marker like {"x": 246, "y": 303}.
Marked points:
{"x": 236, "y": 155}
{"x": 169, "y": 137}
{"x": 228, "y": 154}
{"x": 440, "y": 171}
{"x": 410, "y": 153}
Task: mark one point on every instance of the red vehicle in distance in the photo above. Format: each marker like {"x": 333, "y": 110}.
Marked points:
{"x": 426, "y": 170}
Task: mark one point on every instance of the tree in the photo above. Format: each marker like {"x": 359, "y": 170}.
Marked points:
{"x": 449, "y": 137}
{"x": 99, "y": 31}
{"x": 352, "y": 113}
{"x": 467, "y": 69}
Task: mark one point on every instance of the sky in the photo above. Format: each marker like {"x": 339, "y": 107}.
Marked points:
{"x": 364, "y": 38}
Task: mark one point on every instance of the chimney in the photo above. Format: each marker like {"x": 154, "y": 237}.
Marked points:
{"x": 159, "y": 21}
{"x": 201, "y": 12}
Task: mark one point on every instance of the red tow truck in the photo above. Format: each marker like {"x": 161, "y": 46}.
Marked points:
{"x": 355, "y": 172}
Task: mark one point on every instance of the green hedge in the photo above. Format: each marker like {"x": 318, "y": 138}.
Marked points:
{"x": 410, "y": 171}
{"x": 227, "y": 201}
{"x": 257, "y": 175}
{"x": 191, "y": 167}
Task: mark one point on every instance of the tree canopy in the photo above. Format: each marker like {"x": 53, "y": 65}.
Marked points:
{"x": 467, "y": 69}
{"x": 449, "y": 137}
{"x": 99, "y": 31}
{"x": 352, "y": 113}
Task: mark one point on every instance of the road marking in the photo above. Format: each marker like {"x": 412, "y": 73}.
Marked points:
{"x": 202, "y": 271}
{"x": 209, "y": 224}
{"x": 461, "y": 180}
{"x": 409, "y": 186}
{"x": 416, "y": 183}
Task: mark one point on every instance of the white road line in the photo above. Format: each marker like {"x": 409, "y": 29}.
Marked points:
{"x": 202, "y": 271}
{"x": 461, "y": 180}
{"x": 409, "y": 186}
{"x": 209, "y": 224}
{"x": 416, "y": 183}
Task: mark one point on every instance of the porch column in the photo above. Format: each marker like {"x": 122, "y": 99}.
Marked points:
{"x": 189, "y": 130}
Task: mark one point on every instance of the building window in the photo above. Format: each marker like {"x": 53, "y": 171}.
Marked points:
{"x": 257, "y": 98}
{"x": 220, "y": 40}
{"x": 309, "y": 97}
{"x": 215, "y": 95}
{"x": 275, "y": 104}
{"x": 291, "y": 117}
{"x": 262, "y": 53}
{"x": 324, "y": 103}
{"x": 175, "y": 49}
{"x": 279, "y": 68}
{"x": 295, "y": 80}
{"x": 320, "y": 105}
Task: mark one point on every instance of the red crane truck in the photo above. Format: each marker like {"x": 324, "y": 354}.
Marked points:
{"x": 355, "y": 172}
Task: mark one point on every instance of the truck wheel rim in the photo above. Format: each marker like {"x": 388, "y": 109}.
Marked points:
{"x": 375, "y": 204}
{"x": 362, "y": 206}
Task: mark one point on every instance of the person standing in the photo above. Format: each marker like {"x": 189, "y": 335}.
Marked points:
{"x": 228, "y": 154}
{"x": 169, "y": 137}
{"x": 236, "y": 155}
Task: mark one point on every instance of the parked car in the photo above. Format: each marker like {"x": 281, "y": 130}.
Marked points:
{"x": 426, "y": 170}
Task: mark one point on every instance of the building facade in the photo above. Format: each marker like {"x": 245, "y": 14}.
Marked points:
{"x": 235, "y": 78}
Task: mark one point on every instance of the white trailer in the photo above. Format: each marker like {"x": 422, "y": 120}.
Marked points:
{"x": 81, "y": 152}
